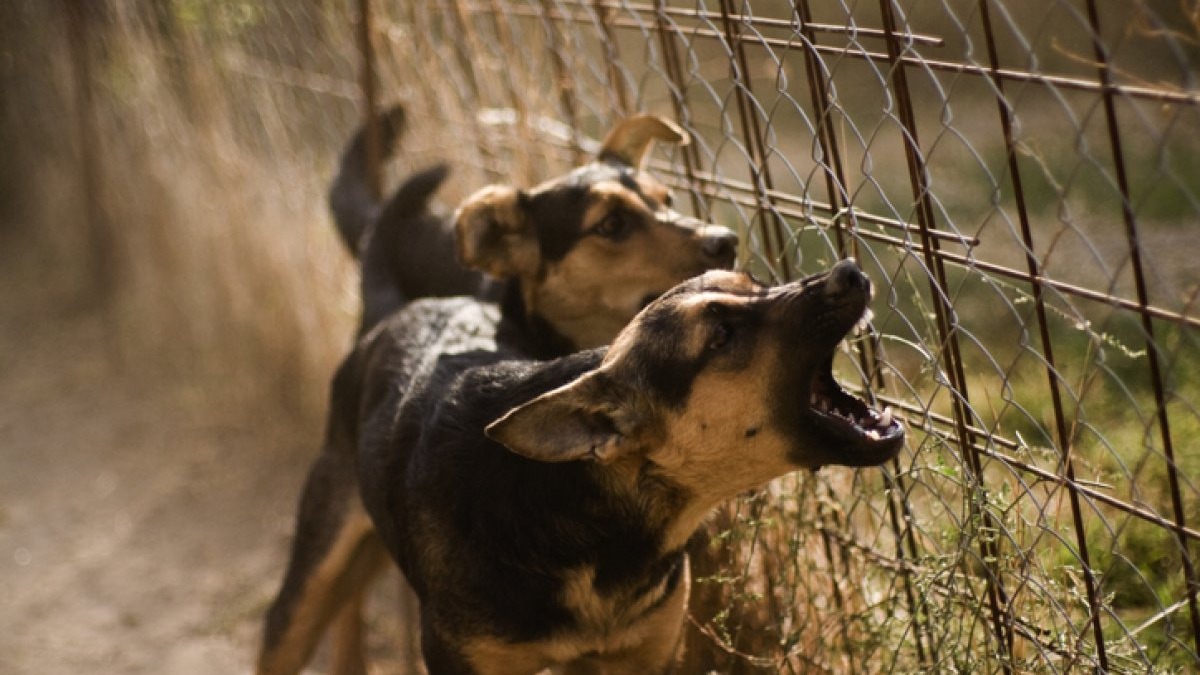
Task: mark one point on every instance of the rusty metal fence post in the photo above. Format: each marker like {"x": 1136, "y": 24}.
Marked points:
{"x": 1129, "y": 218}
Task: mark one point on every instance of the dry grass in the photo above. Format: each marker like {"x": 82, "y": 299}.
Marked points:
{"x": 215, "y": 127}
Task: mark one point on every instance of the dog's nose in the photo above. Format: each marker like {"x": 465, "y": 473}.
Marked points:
{"x": 846, "y": 276}
{"x": 719, "y": 243}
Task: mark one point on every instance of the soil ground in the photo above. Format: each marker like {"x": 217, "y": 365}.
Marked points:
{"x": 144, "y": 522}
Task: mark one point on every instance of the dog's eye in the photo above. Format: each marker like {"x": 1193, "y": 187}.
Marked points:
{"x": 612, "y": 226}
{"x": 669, "y": 200}
{"x": 721, "y": 334}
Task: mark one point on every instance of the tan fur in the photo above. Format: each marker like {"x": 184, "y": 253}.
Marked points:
{"x": 587, "y": 297}
{"x": 604, "y": 197}
{"x": 697, "y": 456}
{"x": 594, "y": 291}
{"x": 682, "y": 412}
{"x": 492, "y": 233}
{"x": 690, "y": 448}
{"x": 646, "y": 645}
{"x": 355, "y": 558}
{"x": 605, "y": 613}
{"x": 744, "y": 291}
{"x": 600, "y": 285}
{"x": 660, "y": 193}
{"x": 349, "y": 638}
{"x": 631, "y": 139}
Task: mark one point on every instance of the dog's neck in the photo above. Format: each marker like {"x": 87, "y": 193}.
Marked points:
{"x": 658, "y": 564}
{"x": 528, "y": 330}
{"x": 671, "y": 510}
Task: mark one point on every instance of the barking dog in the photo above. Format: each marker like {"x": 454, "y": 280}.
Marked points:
{"x": 540, "y": 508}
{"x": 569, "y": 262}
{"x": 580, "y": 254}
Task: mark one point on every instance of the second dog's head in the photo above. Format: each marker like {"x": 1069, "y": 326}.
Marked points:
{"x": 593, "y": 247}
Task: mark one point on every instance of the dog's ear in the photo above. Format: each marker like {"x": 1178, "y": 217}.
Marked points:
{"x": 630, "y": 140}
{"x": 586, "y": 419}
{"x": 493, "y": 234}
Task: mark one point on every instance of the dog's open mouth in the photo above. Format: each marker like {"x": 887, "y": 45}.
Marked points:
{"x": 848, "y": 417}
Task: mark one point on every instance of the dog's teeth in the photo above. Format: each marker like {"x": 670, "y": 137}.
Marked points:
{"x": 823, "y": 405}
{"x": 872, "y": 434}
{"x": 885, "y": 420}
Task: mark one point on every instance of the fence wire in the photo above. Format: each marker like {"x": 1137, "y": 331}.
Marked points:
{"x": 1018, "y": 177}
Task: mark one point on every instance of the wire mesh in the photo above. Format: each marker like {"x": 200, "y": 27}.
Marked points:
{"x": 1015, "y": 176}
{"x": 1018, "y": 177}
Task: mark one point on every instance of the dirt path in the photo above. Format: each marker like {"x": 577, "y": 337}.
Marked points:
{"x": 143, "y": 525}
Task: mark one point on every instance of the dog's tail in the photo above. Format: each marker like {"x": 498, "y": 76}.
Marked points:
{"x": 385, "y": 287}
{"x": 350, "y": 197}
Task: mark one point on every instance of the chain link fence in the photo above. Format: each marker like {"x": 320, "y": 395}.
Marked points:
{"x": 1019, "y": 178}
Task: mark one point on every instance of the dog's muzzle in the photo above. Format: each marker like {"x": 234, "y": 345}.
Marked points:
{"x": 719, "y": 244}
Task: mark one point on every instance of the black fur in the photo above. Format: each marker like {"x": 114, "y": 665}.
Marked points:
{"x": 350, "y": 198}
{"x": 497, "y": 540}
{"x": 428, "y": 474}
{"x": 408, "y": 252}
{"x": 406, "y": 432}
{"x": 558, "y": 213}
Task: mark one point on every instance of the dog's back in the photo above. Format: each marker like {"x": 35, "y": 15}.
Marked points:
{"x": 432, "y": 381}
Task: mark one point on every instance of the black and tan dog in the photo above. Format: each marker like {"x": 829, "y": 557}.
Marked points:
{"x": 540, "y": 508}
{"x": 573, "y": 259}
{"x": 569, "y": 263}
